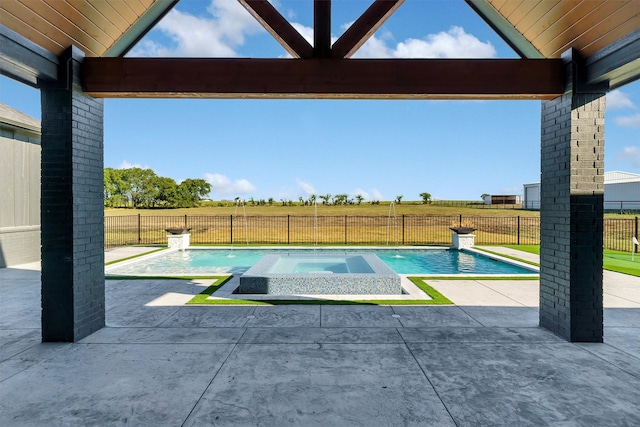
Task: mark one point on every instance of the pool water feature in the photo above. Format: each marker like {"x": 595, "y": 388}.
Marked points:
{"x": 201, "y": 261}
{"x": 318, "y": 274}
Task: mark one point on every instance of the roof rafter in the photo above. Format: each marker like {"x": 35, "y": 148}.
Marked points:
{"x": 322, "y": 28}
{"x": 519, "y": 43}
{"x": 323, "y": 78}
{"x": 269, "y": 17}
{"x": 364, "y": 27}
{"x": 141, "y": 27}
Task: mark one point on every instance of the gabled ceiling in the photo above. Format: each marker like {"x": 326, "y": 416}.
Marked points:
{"x": 605, "y": 33}
{"x": 97, "y": 27}
{"x": 552, "y": 27}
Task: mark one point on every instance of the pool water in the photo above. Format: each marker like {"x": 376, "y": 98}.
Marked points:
{"x": 237, "y": 261}
{"x": 310, "y": 264}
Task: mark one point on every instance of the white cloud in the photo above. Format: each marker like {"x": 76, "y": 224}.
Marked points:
{"x": 221, "y": 184}
{"x": 306, "y": 187}
{"x": 631, "y": 155}
{"x": 617, "y": 100}
{"x": 455, "y": 43}
{"x": 374, "y": 48}
{"x": 365, "y": 195}
{"x": 215, "y": 35}
{"x": 127, "y": 165}
{"x": 306, "y": 32}
{"x": 628, "y": 121}
{"x": 376, "y": 194}
{"x": 373, "y": 194}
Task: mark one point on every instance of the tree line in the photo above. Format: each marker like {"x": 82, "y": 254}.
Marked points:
{"x": 142, "y": 188}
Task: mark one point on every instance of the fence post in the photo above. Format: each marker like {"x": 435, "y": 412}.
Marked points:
{"x": 345, "y": 229}
{"x": 288, "y": 229}
{"x": 635, "y": 234}
{"x": 460, "y": 220}
{"x": 518, "y": 229}
{"x": 403, "y": 229}
{"x": 185, "y": 220}
{"x": 231, "y": 228}
{"x": 139, "y": 231}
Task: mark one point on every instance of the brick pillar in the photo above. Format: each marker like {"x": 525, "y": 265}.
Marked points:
{"x": 72, "y": 212}
{"x": 571, "y": 214}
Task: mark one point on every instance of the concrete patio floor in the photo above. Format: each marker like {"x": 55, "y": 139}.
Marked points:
{"x": 481, "y": 362}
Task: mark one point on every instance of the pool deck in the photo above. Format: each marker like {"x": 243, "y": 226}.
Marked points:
{"x": 481, "y": 362}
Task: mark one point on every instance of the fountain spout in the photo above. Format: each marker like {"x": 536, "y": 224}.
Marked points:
{"x": 240, "y": 202}
{"x": 392, "y": 210}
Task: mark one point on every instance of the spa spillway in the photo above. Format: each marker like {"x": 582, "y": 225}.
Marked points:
{"x": 316, "y": 274}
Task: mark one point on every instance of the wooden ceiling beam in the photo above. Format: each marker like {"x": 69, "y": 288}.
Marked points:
{"x": 323, "y": 78}
{"x": 364, "y": 27}
{"x": 322, "y": 28}
{"x": 269, "y": 17}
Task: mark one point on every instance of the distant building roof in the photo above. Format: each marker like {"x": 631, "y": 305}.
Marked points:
{"x": 619, "y": 176}
{"x": 13, "y": 117}
{"x": 613, "y": 177}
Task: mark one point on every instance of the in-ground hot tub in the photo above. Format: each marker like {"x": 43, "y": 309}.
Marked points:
{"x": 313, "y": 274}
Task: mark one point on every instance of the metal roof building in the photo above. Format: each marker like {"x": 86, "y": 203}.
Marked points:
{"x": 621, "y": 192}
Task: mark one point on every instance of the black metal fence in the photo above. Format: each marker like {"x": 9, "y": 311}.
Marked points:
{"x": 347, "y": 230}
{"x": 610, "y": 206}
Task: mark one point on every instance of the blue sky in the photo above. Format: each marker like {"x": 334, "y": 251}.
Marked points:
{"x": 287, "y": 149}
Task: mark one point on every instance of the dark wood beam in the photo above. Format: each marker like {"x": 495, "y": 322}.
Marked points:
{"x": 25, "y": 61}
{"x": 364, "y": 27}
{"x": 269, "y": 17}
{"x": 322, "y": 28}
{"x": 323, "y": 78}
{"x": 617, "y": 64}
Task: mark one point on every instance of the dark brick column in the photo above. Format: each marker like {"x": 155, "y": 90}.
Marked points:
{"x": 571, "y": 215}
{"x": 72, "y": 208}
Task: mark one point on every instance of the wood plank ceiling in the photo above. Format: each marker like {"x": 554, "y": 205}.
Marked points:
{"x": 94, "y": 26}
{"x": 552, "y": 26}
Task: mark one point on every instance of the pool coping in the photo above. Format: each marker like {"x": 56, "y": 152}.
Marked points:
{"x": 534, "y": 270}
{"x": 410, "y": 290}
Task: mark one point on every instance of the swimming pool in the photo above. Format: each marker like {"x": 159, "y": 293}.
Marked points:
{"x": 207, "y": 261}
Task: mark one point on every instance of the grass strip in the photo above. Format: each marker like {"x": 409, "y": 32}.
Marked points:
{"x": 620, "y": 262}
{"x": 532, "y": 276}
{"x": 508, "y": 256}
{"x": 134, "y": 256}
{"x": 437, "y": 298}
{"x": 617, "y": 261}
{"x": 532, "y": 249}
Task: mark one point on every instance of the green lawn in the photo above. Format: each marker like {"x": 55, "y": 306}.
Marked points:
{"x": 203, "y": 297}
{"x": 612, "y": 260}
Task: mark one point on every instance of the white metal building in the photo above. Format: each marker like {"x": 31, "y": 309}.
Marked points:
{"x": 621, "y": 192}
